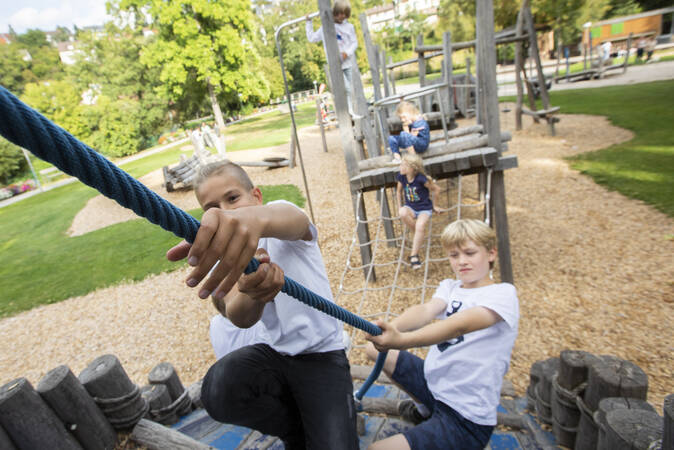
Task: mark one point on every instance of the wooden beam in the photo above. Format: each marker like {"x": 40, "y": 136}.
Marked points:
{"x": 470, "y": 44}
{"x": 519, "y": 65}
{"x": 486, "y": 57}
{"x": 533, "y": 45}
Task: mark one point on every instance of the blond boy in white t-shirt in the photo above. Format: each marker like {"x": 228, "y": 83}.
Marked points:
{"x": 459, "y": 383}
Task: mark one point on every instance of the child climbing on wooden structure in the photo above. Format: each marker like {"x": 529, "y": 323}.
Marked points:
{"x": 483, "y": 155}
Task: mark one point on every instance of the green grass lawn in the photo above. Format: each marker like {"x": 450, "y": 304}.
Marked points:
{"x": 268, "y": 130}
{"x": 642, "y": 168}
{"x": 40, "y": 264}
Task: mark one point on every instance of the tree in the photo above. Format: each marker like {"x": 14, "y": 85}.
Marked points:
{"x": 12, "y": 68}
{"x": 12, "y": 162}
{"x": 204, "y": 43}
{"x": 60, "y": 102}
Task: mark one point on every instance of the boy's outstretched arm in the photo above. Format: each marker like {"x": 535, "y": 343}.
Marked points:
{"x": 231, "y": 237}
{"x": 456, "y": 325}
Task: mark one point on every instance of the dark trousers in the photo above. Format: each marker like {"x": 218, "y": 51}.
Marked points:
{"x": 306, "y": 400}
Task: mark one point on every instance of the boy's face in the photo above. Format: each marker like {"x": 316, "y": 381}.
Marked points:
{"x": 339, "y": 17}
{"x": 470, "y": 263}
{"x": 406, "y": 117}
{"x": 225, "y": 191}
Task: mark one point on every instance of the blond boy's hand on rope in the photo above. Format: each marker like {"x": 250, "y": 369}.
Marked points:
{"x": 390, "y": 337}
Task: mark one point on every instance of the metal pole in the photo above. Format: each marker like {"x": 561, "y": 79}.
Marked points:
{"x": 290, "y": 105}
{"x": 32, "y": 170}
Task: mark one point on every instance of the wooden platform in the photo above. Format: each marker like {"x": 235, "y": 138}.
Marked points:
{"x": 201, "y": 427}
{"x": 438, "y": 167}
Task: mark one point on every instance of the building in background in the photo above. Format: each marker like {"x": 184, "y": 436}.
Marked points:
{"x": 656, "y": 24}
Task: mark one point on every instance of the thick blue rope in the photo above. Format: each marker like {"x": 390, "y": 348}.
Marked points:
{"x": 29, "y": 129}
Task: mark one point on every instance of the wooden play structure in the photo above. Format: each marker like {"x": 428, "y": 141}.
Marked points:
{"x": 475, "y": 151}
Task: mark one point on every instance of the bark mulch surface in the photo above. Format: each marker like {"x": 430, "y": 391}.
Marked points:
{"x": 593, "y": 270}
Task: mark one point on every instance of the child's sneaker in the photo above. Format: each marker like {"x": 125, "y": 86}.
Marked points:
{"x": 408, "y": 411}
{"x": 414, "y": 262}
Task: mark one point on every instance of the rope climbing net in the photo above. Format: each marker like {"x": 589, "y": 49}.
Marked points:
{"x": 396, "y": 286}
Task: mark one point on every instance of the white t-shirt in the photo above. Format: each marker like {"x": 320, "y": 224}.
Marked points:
{"x": 227, "y": 337}
{"x": 293, "y": 327}
{"x": 347, "y": 41}
{"x": 466, "y": 373}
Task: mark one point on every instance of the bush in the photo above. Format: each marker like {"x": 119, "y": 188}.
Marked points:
{"x": 12, "y": 162}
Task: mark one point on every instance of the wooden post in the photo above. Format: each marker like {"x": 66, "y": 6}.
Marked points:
{"x": 584, "y": 57}
{"x": 319, "y": 117}
{"x": 519, "y": 66}
{"x": 559, "y": 48}
{"x": 29, "y": 421}
{"x": 343, "y": 116}
{"x": 384, "y": 73}
{"x": 447, "y": 65}
{"x": 164, "y": 373}
{"x": 632, "y": 429}
{"x": 668, "y": 410}
{"x": 117, "y": 396}
{"x": 158, "y": 437}
{"x": 393, "y": 76}
{"x": 421, "y": 62}
{"x": 615, "y": 378}
{"x": 488, "y": 95}
{"x": 292, "y": 150}
{"x": 64, "y": 393}
{"x": 627, "y": 53}
{"x": 533, "y": 43}
{"x": 372, "y": 56}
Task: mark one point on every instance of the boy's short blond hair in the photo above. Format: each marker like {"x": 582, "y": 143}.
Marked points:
{"x": 407, "y": 107}
{"x": 343, "y": 7}
{"x": 220, "y": 168}
{"x": 457, "y": 233}
{"x": 415, "y": 162}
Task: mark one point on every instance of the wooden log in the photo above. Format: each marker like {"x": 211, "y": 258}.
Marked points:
{"x": 573, "y": 368}
{"x": 117, "y": 396}
{"x": 615, "y": 378}
{"x": 541, "y": 112}
{"x": 5, "y": 441}
{"x": 360, "y": 425}
{"x": 157, "y": 396}
{"x": 158, "y": 437}
{"x": 668, "y": 435}
{"x": 510, "y": 420}
{"x": 164, "y": 373}
{"x": 609, "y": 404}
{"x": 587, "y": 434}
{"x": 565, "y": 412}
{"x": 29, "y": 421}
{"x": 194, "y": 391}
{"x": 379, "y": 405}
{"x": 64, "y": 393}
{"x": 633, "y": 429}
{"x": 359, "y": 372}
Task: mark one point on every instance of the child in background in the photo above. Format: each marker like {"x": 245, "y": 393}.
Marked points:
{"x": 346, "y": 42}
{"x": 471, "y": 325}
{"x": 416, "y": 133}
{"x": 419, "y": 192}
{"x": 295, "y": 382}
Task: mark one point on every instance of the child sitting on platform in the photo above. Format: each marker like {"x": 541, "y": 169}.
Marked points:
{"x": 419, "y": 205}
{"x": 295, "y": 382}
{"x": 471, "y": 325}
{"x": 416, "y": 133}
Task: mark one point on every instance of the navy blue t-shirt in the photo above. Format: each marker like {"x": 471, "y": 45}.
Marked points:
{"x": 416, "y": 194}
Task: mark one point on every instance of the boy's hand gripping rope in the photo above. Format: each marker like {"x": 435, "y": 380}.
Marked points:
{"x": 29, "y": 129}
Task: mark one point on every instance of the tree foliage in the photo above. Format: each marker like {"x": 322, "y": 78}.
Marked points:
{"x": 12, "y": 162}
{"x": 200, "y": 42}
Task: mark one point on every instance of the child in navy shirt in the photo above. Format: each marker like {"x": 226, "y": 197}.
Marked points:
{"x": 419, "y": 192}
{"x": 416, "y": 134}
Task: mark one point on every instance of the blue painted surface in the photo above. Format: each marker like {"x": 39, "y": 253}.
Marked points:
{"x": 201, "y": 427}
{"x": 504, "y": 441}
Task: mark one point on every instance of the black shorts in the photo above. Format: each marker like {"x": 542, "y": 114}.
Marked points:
{"x": 306, "y": 400}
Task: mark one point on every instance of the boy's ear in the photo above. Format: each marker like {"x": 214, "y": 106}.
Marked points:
{"x": 492, "y": 254}
{"x": 257, "y": 193}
